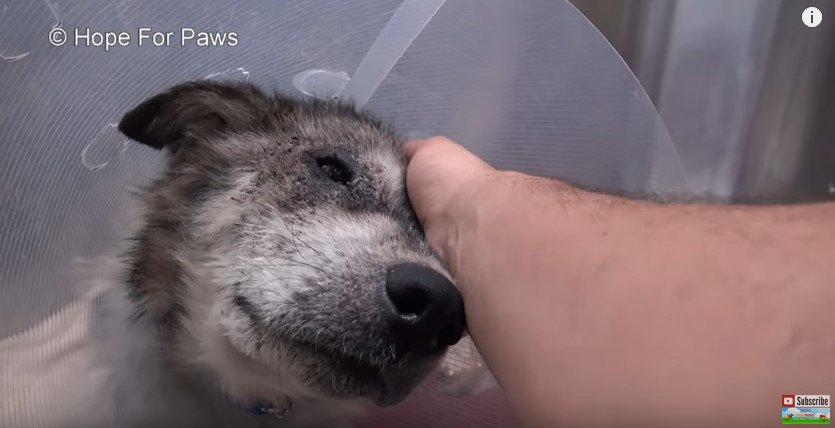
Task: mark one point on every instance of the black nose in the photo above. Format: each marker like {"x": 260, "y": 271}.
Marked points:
{"x": 426, "y": 311}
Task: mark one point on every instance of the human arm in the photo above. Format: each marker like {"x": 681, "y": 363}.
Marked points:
{"x": 659, "y": 313}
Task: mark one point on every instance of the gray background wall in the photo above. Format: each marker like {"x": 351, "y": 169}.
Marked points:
{"x": 745, "y": 89}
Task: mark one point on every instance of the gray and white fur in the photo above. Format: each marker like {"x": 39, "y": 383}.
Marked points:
{"x": 279, "y": 267}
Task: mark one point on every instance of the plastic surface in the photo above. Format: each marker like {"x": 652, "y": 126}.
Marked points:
{"x": 529, "y": 85}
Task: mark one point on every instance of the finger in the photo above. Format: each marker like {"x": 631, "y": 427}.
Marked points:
{"x": 412, "y": 147}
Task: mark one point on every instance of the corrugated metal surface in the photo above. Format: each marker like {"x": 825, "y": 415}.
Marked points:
{"x": 743, "y": 86}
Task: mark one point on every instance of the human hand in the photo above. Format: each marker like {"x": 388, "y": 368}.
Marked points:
{"x": 443, "y": 180}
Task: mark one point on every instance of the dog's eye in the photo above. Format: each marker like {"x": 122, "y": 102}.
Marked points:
{"x": 335, "y": 169}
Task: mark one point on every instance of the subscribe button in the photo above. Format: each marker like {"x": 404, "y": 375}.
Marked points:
{"x": 806, "y": 401}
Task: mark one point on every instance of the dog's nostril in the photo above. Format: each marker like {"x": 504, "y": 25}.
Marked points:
{"x": 426, "y": 311}
{"x": 409, "y": 300}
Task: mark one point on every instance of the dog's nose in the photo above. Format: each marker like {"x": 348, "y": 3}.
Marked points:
{"x": 426, "y": 311}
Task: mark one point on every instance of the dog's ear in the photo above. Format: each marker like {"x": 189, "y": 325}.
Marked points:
{"x": 192, "y": 111}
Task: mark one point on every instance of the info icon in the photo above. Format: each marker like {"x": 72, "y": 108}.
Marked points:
{"x": 788, "y": 401}
{"x": 812, "y": 17}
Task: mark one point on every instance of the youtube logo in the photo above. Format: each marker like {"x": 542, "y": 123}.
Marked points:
{"x": 788, "y": 401}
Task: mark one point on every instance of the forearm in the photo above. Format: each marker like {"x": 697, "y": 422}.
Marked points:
{"x": 578, "y": 298}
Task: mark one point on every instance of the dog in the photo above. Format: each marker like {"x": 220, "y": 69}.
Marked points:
{"x": 279, "y": 277}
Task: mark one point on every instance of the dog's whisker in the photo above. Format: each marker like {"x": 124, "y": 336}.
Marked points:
{"x": 314, "y": 250}
{"x": 238, "y": 283}
{"x": 333, "y": 382}
{"x": 288, "y": 262}
{"x": 292, "y": 236}
{"x": 344, "y": 348}
{"x": 308, "y": 265}
{"x": 316, "y": 339}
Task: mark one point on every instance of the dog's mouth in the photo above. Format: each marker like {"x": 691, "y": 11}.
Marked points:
{"x": 350, "y": 365}
{"x": 342, "y": 375}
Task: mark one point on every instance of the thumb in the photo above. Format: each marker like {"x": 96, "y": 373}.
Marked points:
{"x": 413, "y": 147}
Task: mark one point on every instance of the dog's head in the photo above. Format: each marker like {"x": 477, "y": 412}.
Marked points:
{"x": 280, "y": 253}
